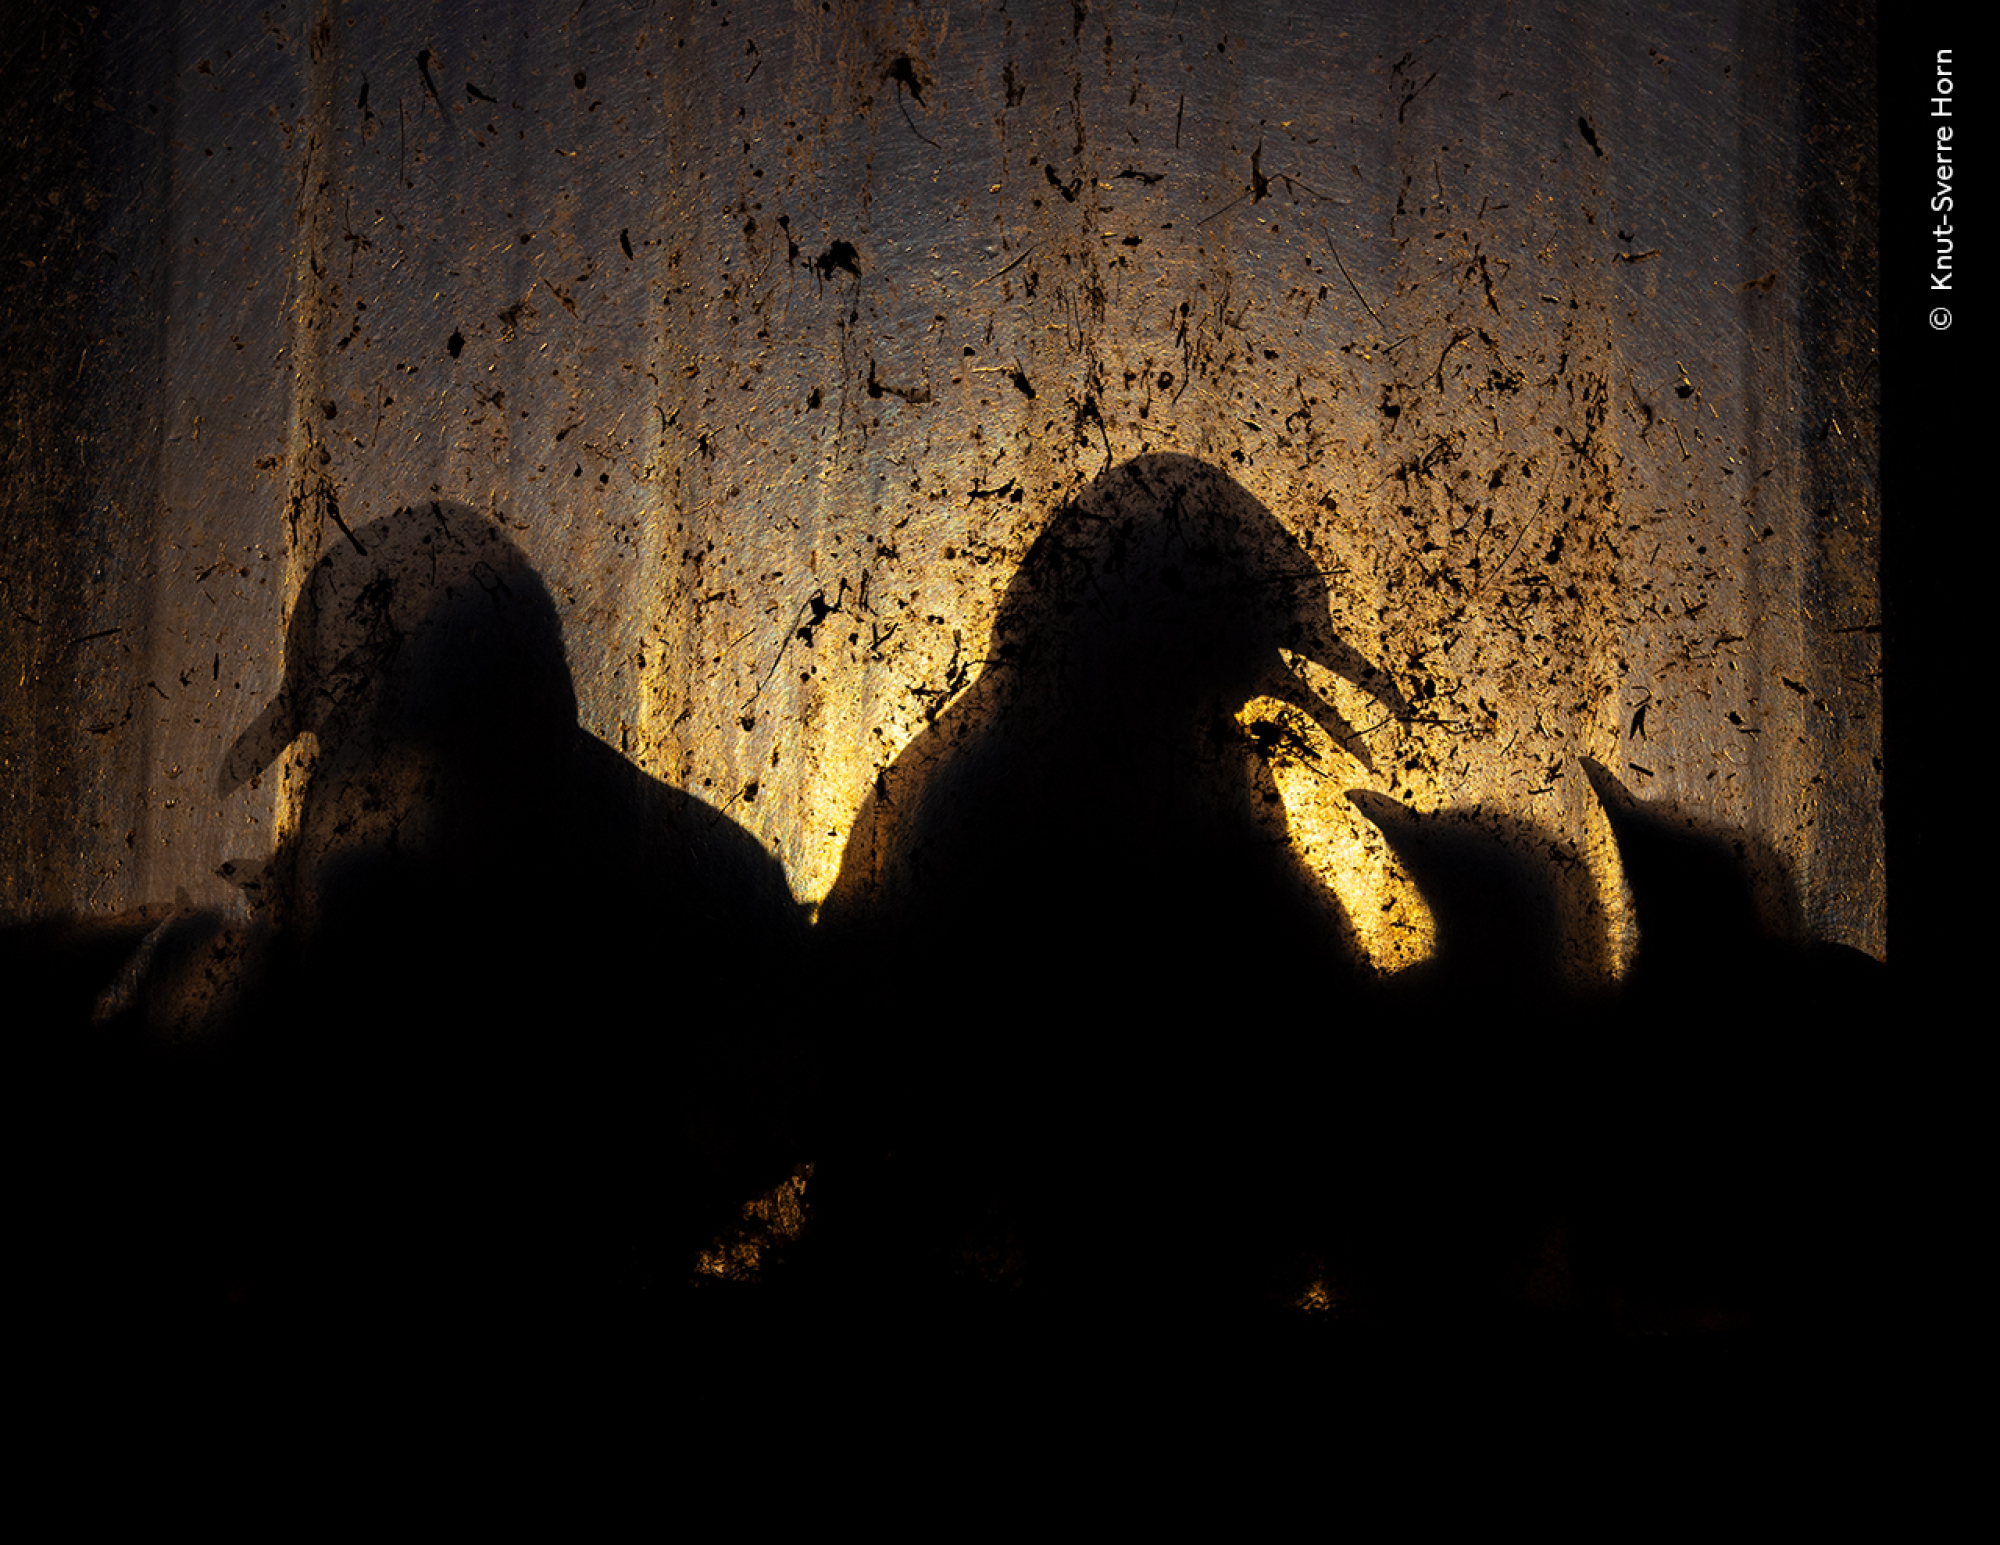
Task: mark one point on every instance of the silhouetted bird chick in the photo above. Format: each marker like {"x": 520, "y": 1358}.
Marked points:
{"x": 1459, "y": 1127}
{"x": 1732, "y": 1128}
{"x": 1514, "y": 910}
{"x": 1101, "y": 964}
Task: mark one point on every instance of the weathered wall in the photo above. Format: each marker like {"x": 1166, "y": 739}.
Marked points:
{"x": 775, "y": 332}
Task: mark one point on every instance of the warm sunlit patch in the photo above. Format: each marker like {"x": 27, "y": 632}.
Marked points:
{"x": 1337, "y": 842}
{"x": 769, "y": 1221}
{"x": 1316, "y": 1299}
{"x": 1373, "y": 722}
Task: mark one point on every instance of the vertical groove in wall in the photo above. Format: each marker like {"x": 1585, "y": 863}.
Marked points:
{"x": 312, "y": 502}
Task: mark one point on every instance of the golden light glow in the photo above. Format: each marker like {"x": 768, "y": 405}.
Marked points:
{"x": 1339, "y": 844}
{"x": 774, "y": 1219}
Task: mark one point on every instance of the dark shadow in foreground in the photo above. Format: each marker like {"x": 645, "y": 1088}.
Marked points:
{"x": 505, "y": 1034}
{"x": 497, "y": 1038}
{"x": 1100, "y": 974}
{"x": 1120, "y": 1063}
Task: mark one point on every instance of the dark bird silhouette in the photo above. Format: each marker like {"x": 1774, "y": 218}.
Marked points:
{"x": 1727, "y": 1139}
{"x": 1100, "y": 961}
{"x": 1463, "y": 1125}
{"x": 502, "y": 1038}
{"x": 1717, "y": 910}
{"x": 1679, "y": 1132}
{"x": 1515, "y": 910}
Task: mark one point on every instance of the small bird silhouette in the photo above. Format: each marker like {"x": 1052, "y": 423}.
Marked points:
{"x": 1457, "y": 1110}
{"x": 1676, "y": 1130}
{"x": 1078, "y": 884}
{"x": 1514, "y": 909}
{"x": 1731, "y": 1149}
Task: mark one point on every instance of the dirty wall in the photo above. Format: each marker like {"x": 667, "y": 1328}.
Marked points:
{"x": 773, "y": 334}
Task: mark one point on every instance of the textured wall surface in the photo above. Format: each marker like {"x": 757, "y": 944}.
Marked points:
{"x": 774, "y": 333}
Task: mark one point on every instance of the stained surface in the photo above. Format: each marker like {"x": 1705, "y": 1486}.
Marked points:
{"x": 507, "y": 501}
{"x": 774, "y": 339}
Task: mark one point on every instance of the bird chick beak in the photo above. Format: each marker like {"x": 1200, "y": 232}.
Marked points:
{"x": 1400, "y": 825}
{"x": 1325, "y": 650}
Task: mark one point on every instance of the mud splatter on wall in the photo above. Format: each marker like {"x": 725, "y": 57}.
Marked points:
{"x": 775, "y": 334}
